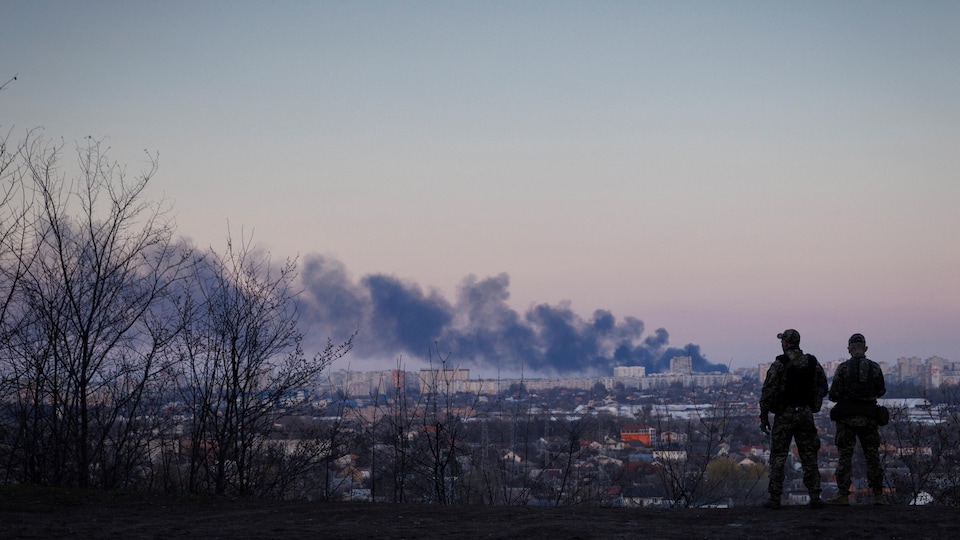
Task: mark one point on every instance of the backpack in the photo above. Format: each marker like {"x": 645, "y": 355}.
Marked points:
{"x": 799, "y": 384}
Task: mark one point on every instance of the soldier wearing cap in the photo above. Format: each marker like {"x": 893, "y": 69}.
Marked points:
{"x": 793, "y": 391}
{"x": 857, "y": 384}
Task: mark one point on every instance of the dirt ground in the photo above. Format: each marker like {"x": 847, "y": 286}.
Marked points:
{"x": 49, "y": 513}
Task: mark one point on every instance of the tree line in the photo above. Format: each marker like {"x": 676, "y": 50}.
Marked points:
{"x": 107, "y": 316}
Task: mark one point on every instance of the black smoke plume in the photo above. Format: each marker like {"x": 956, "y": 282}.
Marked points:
{"x": 397, "y": 318}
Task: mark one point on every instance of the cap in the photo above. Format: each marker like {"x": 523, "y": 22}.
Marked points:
{"x": 856, "y": 339}
{"x": 789, "y": 335}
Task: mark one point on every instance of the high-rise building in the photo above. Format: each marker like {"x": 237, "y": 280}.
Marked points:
{"x": 682, "y": 365}
{"x": 629, "y": 371}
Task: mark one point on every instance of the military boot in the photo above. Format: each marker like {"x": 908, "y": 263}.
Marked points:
{"x": 773, "y": 503}
{"x": 840, "y": 500}
{"x": 816, "y": 501}
{"x": 878, "y": 499}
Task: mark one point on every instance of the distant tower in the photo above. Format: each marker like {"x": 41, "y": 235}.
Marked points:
{"x": 762, "y": 370}
{"x": 630, "y": 371}
{"x": 682, "y": 365}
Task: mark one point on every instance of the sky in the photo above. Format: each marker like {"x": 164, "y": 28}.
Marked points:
{"x": 582, "y": 173}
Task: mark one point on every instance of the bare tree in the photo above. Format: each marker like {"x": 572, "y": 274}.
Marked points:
{"x": 442, "y": 431}
{"x": 689, "y": 447}
{"x": 424, "y": 448}
{"x": 397, "y": 428}
{"x": 925, "y": 456}
{"x": 242, "y": 351}
{"x": 949, "y": 477}
{"x": 567, "y": 461}
{"x": 96, "y": 263}
{"x": 500, "y": 473}
{"x": 15, "y": 208}
{"x": 336, "y": 435}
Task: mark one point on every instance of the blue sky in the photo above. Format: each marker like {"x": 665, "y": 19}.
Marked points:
{"x": 723, "y": 170}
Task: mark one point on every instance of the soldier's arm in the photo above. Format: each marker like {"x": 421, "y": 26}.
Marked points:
{"x": 881, "y": 384}
{"x": 821, "y": 380}
{"x": 768, "y": 394}
{"x": 839, "y": 381}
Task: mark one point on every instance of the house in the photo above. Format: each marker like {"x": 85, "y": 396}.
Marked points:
{"x": 673, "y": 438}
{"x": 640, "y": 433}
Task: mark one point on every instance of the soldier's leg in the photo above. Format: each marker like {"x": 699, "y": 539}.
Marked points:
{"x": 846, "y": 439}
{"x": 808, "y": 444}
{"x": 870, "y": 444}
{"x": 780, "y": 438}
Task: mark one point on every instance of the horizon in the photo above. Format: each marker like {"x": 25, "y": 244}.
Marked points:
{"x": 487, "y": 373}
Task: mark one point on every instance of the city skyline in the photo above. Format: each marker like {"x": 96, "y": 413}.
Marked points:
{"x": 721, "y": 172}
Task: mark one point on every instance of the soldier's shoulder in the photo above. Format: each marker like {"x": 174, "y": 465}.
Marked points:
{"x": 812, "y": 361}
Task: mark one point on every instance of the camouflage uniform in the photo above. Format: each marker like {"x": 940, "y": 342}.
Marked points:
{"x": 845, "y": 389}
{"x": 793, "y": 420}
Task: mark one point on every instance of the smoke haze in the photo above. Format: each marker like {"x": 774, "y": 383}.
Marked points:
{"x": 479, "y": 329}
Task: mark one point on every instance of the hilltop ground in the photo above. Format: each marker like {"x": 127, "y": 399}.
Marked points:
{"x": 48, "y": 513}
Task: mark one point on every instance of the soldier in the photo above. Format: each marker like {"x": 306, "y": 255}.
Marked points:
{"x": 857, "y": 384}
{"x": 793, "y": 391}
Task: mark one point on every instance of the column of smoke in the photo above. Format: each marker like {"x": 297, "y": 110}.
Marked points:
{"x": 479, "y": 329}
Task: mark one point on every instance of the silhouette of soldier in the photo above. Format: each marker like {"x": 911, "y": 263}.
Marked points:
{"x": 793, "y": 391}
{"x": 857, "y": 384}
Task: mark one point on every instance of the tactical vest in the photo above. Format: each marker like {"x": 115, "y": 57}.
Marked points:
{"x": 865, "y": 390}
